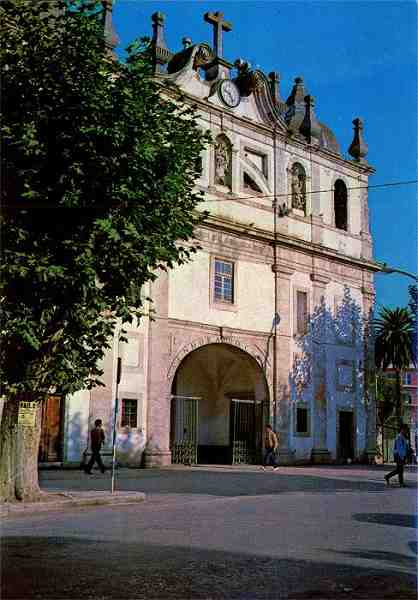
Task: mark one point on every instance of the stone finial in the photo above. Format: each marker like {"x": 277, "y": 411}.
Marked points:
{"x": 274, "y": 78}
{"x": 358, "y": 148}
{"x": 158, "y": 20}
{"x": 160, "y": 50}
{"x": 186, "y": 42}
{"x": 219, "y": 26}
{"x": 298, "y": 93}
{"x": 310, "y": 127}
{"x": 296, "y": 107}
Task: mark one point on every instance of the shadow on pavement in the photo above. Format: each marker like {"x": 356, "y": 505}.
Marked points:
{"x": 413, "y": 546}
{"x": 216, "y": 483}
{"x": 401, "y": 559}
{"x": 71, "y": 567}
{"x": 399, "y": 520}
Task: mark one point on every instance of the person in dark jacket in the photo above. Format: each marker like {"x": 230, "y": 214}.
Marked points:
{"x": 97, "y": 438}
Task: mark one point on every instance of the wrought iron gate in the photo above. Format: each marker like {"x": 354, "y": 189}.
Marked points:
{"x": 247, "y": 422}
{"x": 184, "y": 429}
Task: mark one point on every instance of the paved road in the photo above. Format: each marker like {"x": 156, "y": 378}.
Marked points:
{"x": 210, "y": 533}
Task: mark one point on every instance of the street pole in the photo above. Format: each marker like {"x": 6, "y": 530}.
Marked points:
{"x": 276, "y": 285}
{"x": 390, "y": 270}
{"x": 115, "y": 416}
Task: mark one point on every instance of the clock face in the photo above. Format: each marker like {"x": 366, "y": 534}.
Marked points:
{"x": 229, "y": 93}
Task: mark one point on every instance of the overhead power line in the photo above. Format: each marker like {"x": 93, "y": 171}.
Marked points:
{"x": 362, "y": 187}
{"x": 27, "y": 205}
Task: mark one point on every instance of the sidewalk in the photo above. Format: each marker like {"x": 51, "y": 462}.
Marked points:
{"x": 51, "y": 501}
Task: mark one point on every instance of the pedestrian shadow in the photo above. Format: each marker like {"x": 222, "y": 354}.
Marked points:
{"x": 72, "y": 567}
{"x": 397, "y": 519}
{"x": 381, "y": 555}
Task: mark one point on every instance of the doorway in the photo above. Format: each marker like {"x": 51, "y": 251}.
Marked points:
{"x": 246, "y": 431}
{"x": 50, "y": 445}
{"x": 346, "y": 435}
{"x": 219, "y": 393}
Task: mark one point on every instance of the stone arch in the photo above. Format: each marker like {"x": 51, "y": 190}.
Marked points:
{"x": 223, "y": 161}
{"x": 340, "y": 205}
{"x": 219, "y": 392}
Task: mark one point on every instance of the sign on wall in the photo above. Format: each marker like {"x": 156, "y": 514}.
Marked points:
{"x": 27, "y": 414}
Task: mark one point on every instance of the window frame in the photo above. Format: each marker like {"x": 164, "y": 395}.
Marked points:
{"x": 301, "y": 406}
{"x": 217, "y": 302}
{"x": 407, "y": 378}
{"x": 296, "y": 290}
{"x": 347, "y": 207}
{"x": 122, "y": 413}
{"x": 340, "y": 385}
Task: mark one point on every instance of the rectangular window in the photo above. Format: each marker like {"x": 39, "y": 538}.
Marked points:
{"x": 224, "y": 281}
{"x": 129, "y": 413}
{"x": 302, "y": 420}
{"x": 301, "y": 312}
{"x": 407, "y": 378}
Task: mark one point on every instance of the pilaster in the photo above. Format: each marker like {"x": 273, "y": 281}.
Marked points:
{"x": 368, "y": 361}
{"x": 157, "y": 451}
{"x": 283, "y": 273}
{"x": 320, "y": 452}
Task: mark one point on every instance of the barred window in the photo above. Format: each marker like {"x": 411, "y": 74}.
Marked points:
{"x": 129, "y": 413}
{"x": 224, "y": 281}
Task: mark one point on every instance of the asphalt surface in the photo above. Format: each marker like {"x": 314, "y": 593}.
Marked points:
{"x": 209, "y": 533}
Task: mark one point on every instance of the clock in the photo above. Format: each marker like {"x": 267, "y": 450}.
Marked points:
{"x": 229, "y": 93}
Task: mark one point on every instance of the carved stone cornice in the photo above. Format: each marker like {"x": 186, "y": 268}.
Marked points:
{"x": 214, "y": 222}
{"x": 282, "y": 270}
{"x": 320, "y": 278}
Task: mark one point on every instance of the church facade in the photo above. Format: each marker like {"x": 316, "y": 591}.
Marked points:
{"x": 268, "y": 322}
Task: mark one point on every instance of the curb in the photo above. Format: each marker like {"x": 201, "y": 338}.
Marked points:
{"x": 68, "y": 500}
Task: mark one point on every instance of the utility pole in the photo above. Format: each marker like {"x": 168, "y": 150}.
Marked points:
{"x": 115, "y": 417}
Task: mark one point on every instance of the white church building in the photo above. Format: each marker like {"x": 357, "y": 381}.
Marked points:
{"x": 268, "y": 321}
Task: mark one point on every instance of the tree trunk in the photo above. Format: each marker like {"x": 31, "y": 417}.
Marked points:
{"x": 399, "y": 410}
{"x": 19, "y": 447}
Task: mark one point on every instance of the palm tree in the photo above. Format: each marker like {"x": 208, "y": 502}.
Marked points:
{"x": 394, "y": 346}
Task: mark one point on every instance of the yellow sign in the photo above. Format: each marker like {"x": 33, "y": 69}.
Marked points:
{"x": 27, "y": 414}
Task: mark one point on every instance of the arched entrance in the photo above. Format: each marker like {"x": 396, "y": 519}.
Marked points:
{"x": 218, "y": 408}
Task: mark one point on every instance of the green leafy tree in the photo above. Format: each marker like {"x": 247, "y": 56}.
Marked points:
{"x": 394, "y": 346}
{"x": 98, "y": 173}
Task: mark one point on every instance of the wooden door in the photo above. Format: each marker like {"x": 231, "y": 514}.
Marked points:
{"x": 50, "y": 448}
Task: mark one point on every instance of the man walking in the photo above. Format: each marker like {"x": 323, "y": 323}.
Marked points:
{"x": 97, "y": 438}
{"x": 400, "y": 452}
{"x": 271, "y": 444}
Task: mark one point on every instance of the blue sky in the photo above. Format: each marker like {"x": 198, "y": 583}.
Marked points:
{"x": 357, "y": 59}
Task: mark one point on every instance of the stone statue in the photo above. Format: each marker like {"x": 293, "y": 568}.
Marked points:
{"x": 222, "y": 162}
{"x": 298, "y": 188}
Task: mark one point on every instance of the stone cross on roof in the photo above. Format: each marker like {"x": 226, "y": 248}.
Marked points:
{"x": 219, "y": 25}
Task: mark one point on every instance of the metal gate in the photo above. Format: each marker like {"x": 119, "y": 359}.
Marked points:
{"x": 247, "y": 422}
{"x": 184, "y": 429}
